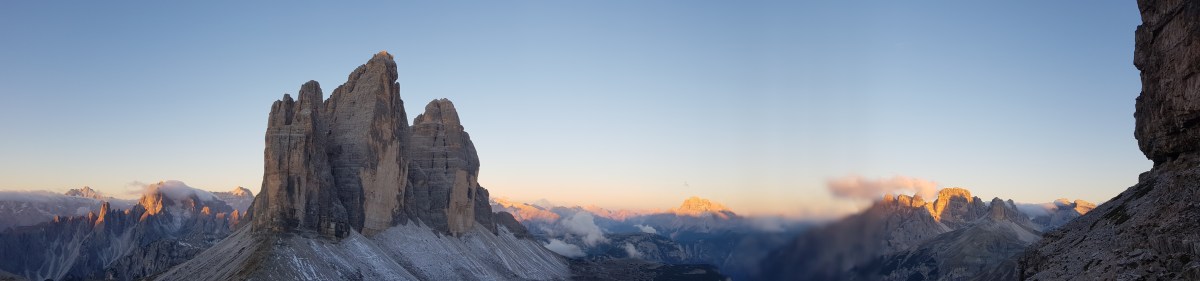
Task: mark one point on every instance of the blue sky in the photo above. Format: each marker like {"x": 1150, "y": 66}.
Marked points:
{"x": 629, "y": 104}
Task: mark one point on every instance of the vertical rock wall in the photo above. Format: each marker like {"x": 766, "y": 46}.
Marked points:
{"x": 353, "y": 162}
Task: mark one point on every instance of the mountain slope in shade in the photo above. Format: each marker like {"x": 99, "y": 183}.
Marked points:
{"x": 352, "y": 192}
{"x": 1151, "y": 231}
{"x": 1050, "y": 216}
{"x": 967, "y": 253}
{"x": 171, "y": 223}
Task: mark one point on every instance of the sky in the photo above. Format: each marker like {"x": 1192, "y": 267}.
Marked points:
{"x": 759, "y": 105}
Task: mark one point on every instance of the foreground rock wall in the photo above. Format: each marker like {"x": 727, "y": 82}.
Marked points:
{"x": 1151, "y": 231}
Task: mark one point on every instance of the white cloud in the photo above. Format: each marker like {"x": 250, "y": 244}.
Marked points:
{"x": 647, "y": 229}
{"x": 583, "y": 224}
{"x": 176, "y": 190}
{"x": 562, "y": 248}
{"x": 632, "y": 251}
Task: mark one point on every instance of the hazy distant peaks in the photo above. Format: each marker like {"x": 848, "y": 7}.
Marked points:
{"x": 176, "y": 190}
{"x": 523, "y": 211}
{"x": 85, "y": 192}
{"x": 240, "y": 191}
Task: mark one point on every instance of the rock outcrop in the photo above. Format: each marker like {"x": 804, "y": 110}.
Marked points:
{"x": 352, "y": 192}
{"x": 1151, "y": 231}
{"x": 444, "y": 170}
{"x": 353, "y": 163}
{"x": 367, "y": 137}
{"x": 955, "y": 207}
{"x": 298, "y": 192}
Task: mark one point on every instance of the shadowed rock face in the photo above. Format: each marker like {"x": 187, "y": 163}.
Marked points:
{"x": 351, "y": 192}
{"x": 344, "y": 163}
{"x": 367, "y": 134}
{"x": 445, "y": 170}
{"x": 163, "y": 229}
{"x": 1167, "y": 51}
{"x": 1151, "y": 231}
{"x": 298, "y": 192}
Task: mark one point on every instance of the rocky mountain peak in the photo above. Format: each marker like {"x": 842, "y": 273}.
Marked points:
{"x": 444, "y": 170}
{"x": 914, "y": 201}
{"x": 240, "y": 191}
{"x": 352, "y": 162}
{"x": 368, "y": 131}
{"x": 104, "y": 210}
{"x": 955, "y": 206}
{"x": 85, "y": 192}
{"x": 697, "y": 207}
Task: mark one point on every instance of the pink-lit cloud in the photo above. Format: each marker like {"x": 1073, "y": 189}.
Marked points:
{"x": 858, "y": 187}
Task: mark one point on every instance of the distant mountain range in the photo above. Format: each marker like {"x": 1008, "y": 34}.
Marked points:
{"x": 955, "y": 237}
{"x": 119, "y": 240}
{"x": 699, "y": 231}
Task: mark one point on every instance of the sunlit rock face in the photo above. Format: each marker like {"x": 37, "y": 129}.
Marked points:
{"x": 697, "y": 207}
{"x": 1149, "y": 231}
{"x": 956, "y": 207}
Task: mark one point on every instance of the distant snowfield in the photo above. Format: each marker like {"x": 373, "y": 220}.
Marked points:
{"x": 403, "y": 252}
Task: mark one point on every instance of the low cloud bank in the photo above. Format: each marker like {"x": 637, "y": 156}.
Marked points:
{"x": 584, "y": 225}
{"x": 562, "y": 248}
{"x": 646, "y": 229}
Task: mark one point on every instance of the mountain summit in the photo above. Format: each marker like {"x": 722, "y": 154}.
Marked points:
{"x": 698, "y": 207}
{"x": 351, "y": 191}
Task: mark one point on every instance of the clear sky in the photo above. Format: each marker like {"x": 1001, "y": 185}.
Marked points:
{"x": 626, "y": 104}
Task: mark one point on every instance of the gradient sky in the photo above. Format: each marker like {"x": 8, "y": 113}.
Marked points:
{"x": 624, "y": 104}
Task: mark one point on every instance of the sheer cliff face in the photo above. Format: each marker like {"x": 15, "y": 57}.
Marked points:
{"x": 298, "y": 192}
{"x": 344, "y": 163}
{"x": 445, "y": 170}
{"x": 367, "y": 131}
{"x": 1149, "y": 231}
{"x": 1167, "y": 51}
